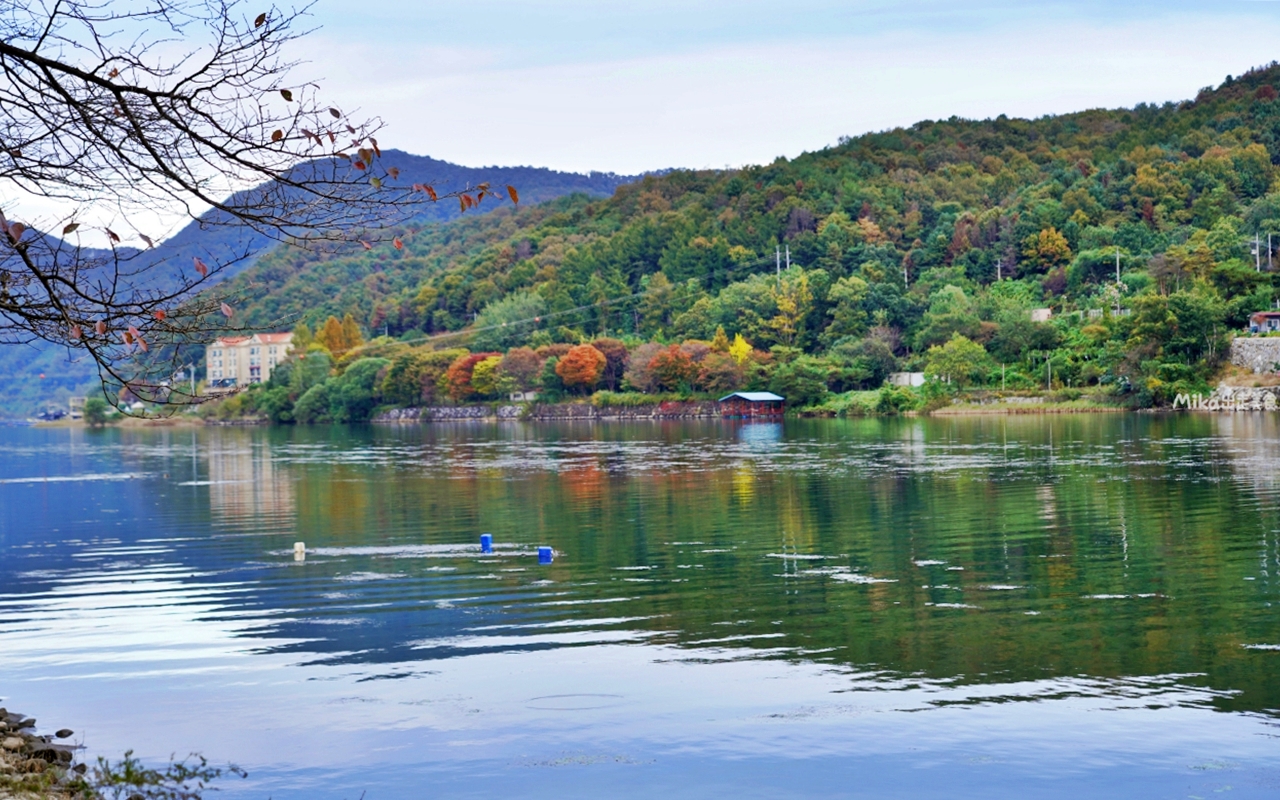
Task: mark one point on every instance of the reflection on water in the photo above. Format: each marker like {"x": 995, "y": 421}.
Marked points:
{"x": 932, "y": 607}
{"x": 247, "y": 485}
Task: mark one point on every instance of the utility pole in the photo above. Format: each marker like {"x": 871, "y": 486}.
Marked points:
{"x": 1269, "y": 252}
{"x": 1117, "y": 265}
{"x": 788, "y": 257}
{"x": 998, "y": 269}
{"x": 1048, "y": 363}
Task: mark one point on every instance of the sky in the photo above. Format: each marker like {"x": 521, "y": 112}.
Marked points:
{"x": 582, "y": 85}
{"x": 626, "y": 87}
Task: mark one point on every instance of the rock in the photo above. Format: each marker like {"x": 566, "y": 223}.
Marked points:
{"x": 13, "y": 744}
{"x": 27, "y": 723}
{"x": 64, "y": 733}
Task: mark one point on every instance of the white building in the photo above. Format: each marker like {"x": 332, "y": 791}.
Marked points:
{"x": 242, "y": 360}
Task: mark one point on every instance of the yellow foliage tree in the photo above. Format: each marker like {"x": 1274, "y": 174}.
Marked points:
{"x": 1049, "y": 248}
{"x": 740, "y": 349}
{"x": 330, "y": 336}
{"x": 794, "y": 300}
{"x": 351, "y": 333}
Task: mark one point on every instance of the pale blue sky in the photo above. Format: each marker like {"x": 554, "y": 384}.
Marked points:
{"x": 581, "y": 84}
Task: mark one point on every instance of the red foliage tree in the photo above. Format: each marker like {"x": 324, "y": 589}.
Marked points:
{"x": 458, "y": 376}
{"x": 523, "y": 365}
{"x": 673, "y": 367}
{"x": 581, "y": 367}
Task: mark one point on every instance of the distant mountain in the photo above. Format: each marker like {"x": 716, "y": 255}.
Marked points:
{"x": 24, "y": 391}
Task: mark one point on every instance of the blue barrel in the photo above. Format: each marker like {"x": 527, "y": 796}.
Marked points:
{"x": 486, "y": 543}
{"x": 544, "y": 555}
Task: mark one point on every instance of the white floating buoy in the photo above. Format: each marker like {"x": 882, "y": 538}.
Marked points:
{"x": 299, "y": 551}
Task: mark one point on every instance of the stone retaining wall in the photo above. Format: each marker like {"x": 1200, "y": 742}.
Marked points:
{"x": 554, "y": 411}
{"x": 1257, "y": 353}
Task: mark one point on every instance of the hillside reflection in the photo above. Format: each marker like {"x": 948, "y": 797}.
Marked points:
{"x": 975, "y": 550}
{"x": 972, "y": 551}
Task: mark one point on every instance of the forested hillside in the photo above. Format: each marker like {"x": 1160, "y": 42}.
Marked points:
{"x": 944, "y": 235}
{"x": 40, "y": 373}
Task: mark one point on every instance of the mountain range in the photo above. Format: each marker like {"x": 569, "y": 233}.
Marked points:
{"x": 41, "y": 374}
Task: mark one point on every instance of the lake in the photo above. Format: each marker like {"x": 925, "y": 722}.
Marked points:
{"x": 1032, "y": 607}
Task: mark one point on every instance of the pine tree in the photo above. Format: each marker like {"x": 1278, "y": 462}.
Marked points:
{"x": 351, "y": 333}
{"x": 720, "y": 343}
{"x": 331, "y": 337}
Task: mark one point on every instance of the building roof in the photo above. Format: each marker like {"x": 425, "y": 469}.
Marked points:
{"x": 1264, "y": 314}
{"x": 753, "y": 397}
{"x": 261, "y": 338}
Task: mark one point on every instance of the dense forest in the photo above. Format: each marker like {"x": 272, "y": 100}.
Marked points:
{"x": 1145, "y": 231}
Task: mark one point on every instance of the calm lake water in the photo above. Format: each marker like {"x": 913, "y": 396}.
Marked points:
{"x": 1032, "y": 607}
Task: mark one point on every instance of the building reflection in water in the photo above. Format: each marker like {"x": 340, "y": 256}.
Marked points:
{"x": 247, "y": 486}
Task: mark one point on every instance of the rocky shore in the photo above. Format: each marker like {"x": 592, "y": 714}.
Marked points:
{"x": 35, "y": 766}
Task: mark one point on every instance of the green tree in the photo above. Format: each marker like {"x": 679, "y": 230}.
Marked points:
{"x": 951, "y": 312}
{"x": 959, "y": 361}
{"x": 508, "y": 321}
{"x": 95, "y": 412}
{"x": 485, "y": 376}
{"x": 802, "y": 381}
{"x": 848, "y": 317}
{"x": 354, "y": 394}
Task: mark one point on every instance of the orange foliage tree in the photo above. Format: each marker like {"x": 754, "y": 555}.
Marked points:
{"x": 581, "y": 367}
{"x": 672, "y": 367}
{"x": 458, "y": 376}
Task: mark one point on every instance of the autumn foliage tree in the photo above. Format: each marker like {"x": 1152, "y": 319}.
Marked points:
{"x": 673, "y": 368}
{"x": 460, "y": 372}
{"x": 615, "y": 353}
{"x": 581, "y": 367}
{"x": 522, "y": 366}
{"x": 340, "y": 337}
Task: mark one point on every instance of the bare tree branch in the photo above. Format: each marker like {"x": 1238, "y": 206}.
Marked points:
{"x": 142, "y": 106}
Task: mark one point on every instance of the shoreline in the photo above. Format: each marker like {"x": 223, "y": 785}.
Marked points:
{"x": 35, "y": 767}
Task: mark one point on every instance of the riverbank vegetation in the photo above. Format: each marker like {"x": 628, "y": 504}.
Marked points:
{"x": 1111, "y": 251}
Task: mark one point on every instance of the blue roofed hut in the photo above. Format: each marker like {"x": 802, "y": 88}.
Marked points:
{"x": 751, "y": 404}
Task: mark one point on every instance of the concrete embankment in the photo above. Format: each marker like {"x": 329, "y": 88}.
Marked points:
{"x": 550, "y": 412}
{"x": 35, "y": 766}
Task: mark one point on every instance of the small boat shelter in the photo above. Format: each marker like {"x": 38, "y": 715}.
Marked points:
{"x": 751, "y": 404}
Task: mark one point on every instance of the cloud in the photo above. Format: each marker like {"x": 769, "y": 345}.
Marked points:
{"x": 748, "y": 103}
